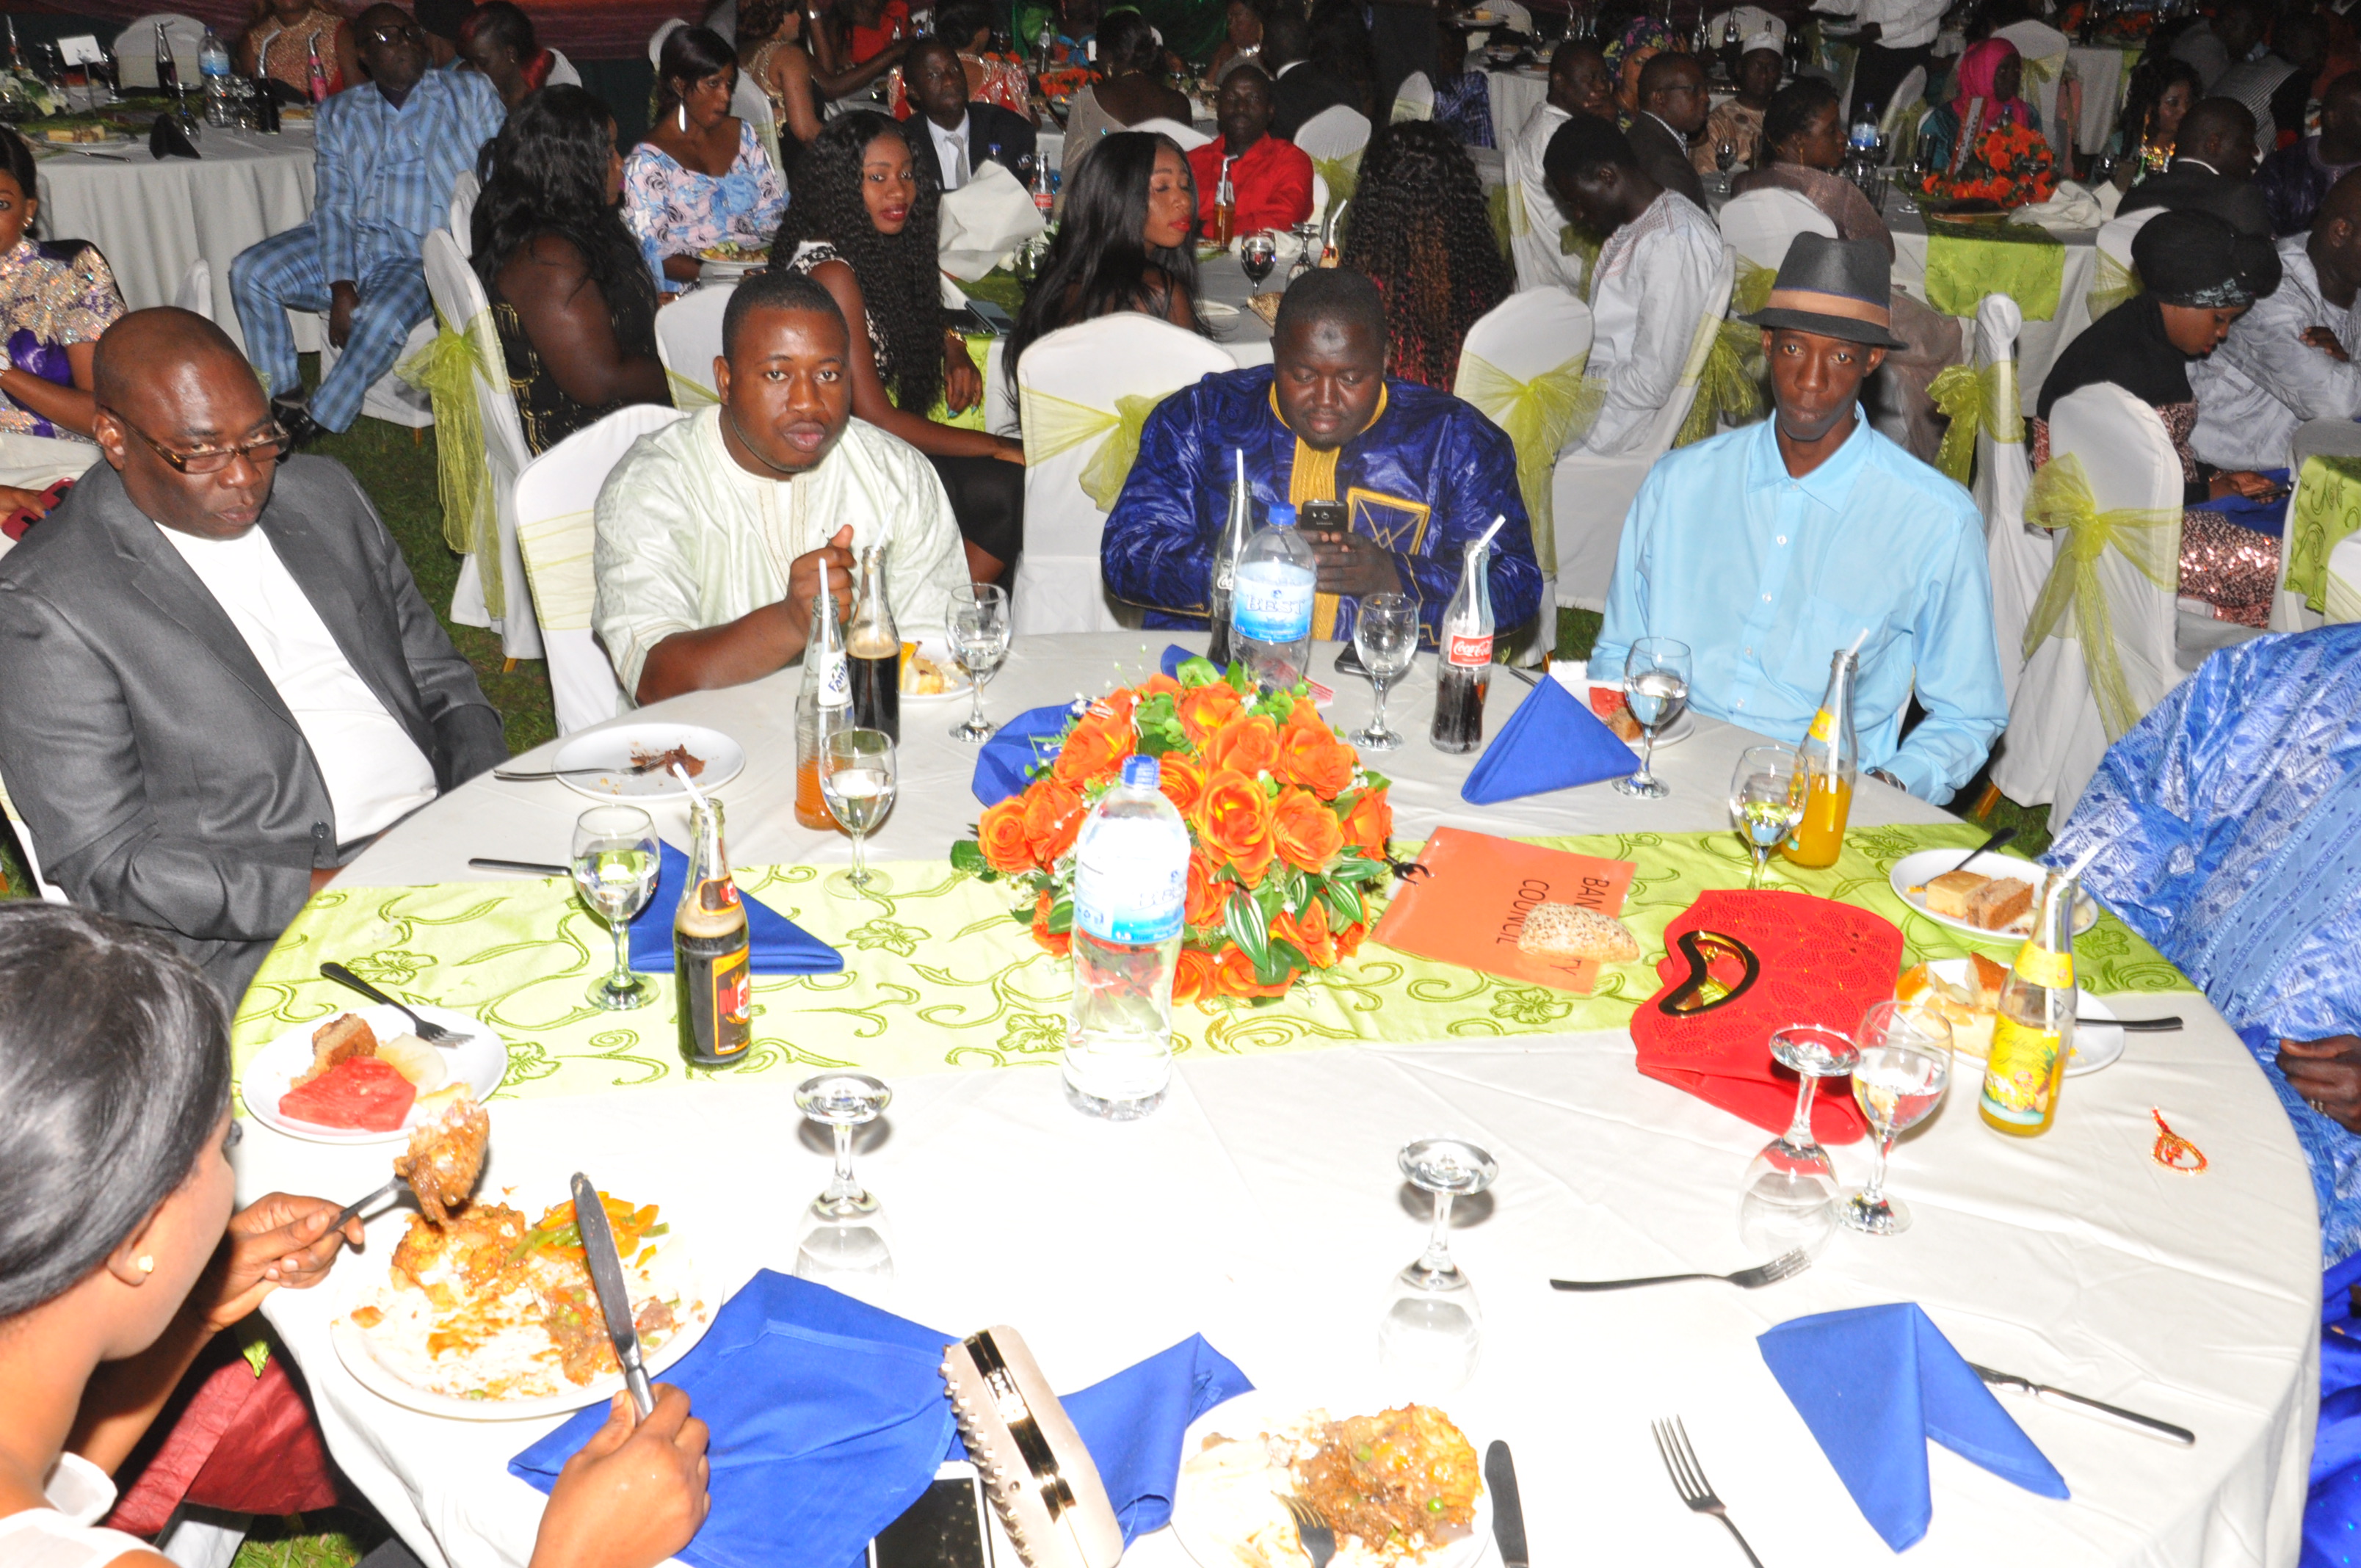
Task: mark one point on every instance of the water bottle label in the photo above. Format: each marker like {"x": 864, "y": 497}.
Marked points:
{"x": 1471, "y": 652}
{"x": 1131, "y": 888}
{"x": 836, "y": 683}
{"x": 1273, "y": 604}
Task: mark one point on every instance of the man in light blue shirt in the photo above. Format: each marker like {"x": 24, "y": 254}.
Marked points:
{"x": 1769, "y": 550}
{"x": 390, "y": 152}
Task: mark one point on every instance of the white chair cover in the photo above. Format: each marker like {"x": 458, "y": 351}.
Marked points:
{"x": 1537, "y": 229}
{"x": 1751, "y": 20}
{"x": 135, "y": 48}
{"x": 389, "y": 397}
{"x": 664, "y": 29}
{"x": 2019, "y": 553}
{"x": 1072, "y": 386}
{"x": 752, "y": 104}
{"x": 688, "y": 340}
{"x": 2313, "y": 438}
{"x": 556, "y": 498}
{"x": 196, "y": 289}
{"x": 460, "y": 301}
{"x": 1590, "y": 494}
{"x": 2047, "y": 70}
{"x": 1415, "y": 100}
{"x": 463, "y": 192}
{"x": 1761, "y": 224}
{"x": 1534, "y": 334}
{"x": 1335, "y": 132}
{"x": 2345, "y": 581}
{"x": 562, "y": 71}
{"x": 1903, "y": 109}
{"x": 49, "y": 891}
{"x": 2055, "y": 736}
{"x": 1187, "y": 138}
{"x": 2113, "y": 280}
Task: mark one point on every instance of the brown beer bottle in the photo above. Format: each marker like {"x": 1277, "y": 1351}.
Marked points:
{"x": 711, "y": 954}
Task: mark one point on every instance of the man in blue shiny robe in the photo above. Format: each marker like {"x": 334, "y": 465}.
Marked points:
{"x": 1420, "y": 474}
{"x": 2230, "y": 817}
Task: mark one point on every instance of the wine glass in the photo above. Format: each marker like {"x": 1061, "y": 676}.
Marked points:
{"x": 1656, "y": 688}
{"x": 842, "y": 1241}
{"x": 979, "y": 632}
{"x": 1432, "y": 1328}
{"x": 1258, "y": 253}
{"x": 1725, "y": 155}
{"x": 1767, "y": 792}
{"x": 614, "y": 866}
{"x": 1905, "y": 1063}
{"x": 1385, "y": 634}
{"x": 856, "y": 780}
{"x": 1789, "y": 1197}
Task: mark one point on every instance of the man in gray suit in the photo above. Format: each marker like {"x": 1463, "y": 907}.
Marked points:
{"x": 221, "y": 680}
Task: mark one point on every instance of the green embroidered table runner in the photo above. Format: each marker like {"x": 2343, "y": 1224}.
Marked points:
{"x": 1967, "y": 261}
{"x": 2328, "y": 507}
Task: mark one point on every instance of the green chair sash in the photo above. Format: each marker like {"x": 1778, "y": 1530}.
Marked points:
{"x": 1344, "y": 177}
{"x": 2116, "y": 284}
{"x": 1970, "y": 398}
{"x": 1055, "y": 425}
{"x": 2327, "y": 508}
{"x": 1729, "y": 388}
{"x": 2060, "y": 499}
{"x": 445, "y": 370}
{"x": 1539, "y": 416}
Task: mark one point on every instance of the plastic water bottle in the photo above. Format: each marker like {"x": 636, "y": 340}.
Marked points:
{"x": 1270, "y": 603}
{"x": 1131, "y": 884}
{"x": 213, "y": 65}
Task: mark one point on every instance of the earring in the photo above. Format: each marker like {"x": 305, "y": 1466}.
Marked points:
{"x": 147, "y": 1264}
{"x": 683, "y": 117}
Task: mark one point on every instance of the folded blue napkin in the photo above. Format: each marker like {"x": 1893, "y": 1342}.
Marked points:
{"x": 780, "y": 946}
{"x": 1552, "y": 741}
{"x": 829, "y": 1419}
{"x": 1023, "y": 741}
{"x": 1875, "y": 1384}
{"x": 2263, "y": 517}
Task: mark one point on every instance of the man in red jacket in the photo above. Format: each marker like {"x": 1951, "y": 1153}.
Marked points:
{"x": 1271, "y": 178}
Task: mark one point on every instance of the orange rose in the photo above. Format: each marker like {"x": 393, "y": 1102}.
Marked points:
{"x": 1161, "y": 685}
{"x": 1304, "y": 830}
{"x": 1193, "y": 978}
{"x": 1234, "y": 822}
{"x": 1001, "y": 836}
{"x": 1206, "y": 709}
{"x": 1053, "y": 819}
{"x": 1311, "y": 755}
{"x": 1060, "y": 943}
{"x": 1348, "y": 940}
{"x": 1312, "y": 937}
{"x": 1207, "y": 899}
{"x": 1094, "y": 752}
{"x": 1371, "y": 824}
{"x": 1248, "y": 745}
{"x": 1182, "y": 780}
{"x": 1233, "y": 975}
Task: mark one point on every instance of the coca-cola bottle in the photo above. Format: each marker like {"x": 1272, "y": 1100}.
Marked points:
{"x": 1463, "y": 667}
{"x": 1227, "y": 549}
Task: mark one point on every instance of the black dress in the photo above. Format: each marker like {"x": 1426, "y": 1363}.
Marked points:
{"x": 548, "y": 414}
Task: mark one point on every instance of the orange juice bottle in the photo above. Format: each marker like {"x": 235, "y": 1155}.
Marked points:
{"x": 1831, "y": 757}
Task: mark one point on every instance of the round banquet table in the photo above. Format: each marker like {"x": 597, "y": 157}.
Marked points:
{"x": 1261, "y": 1207}
{"x": 150, "y": 217}
{"x": 2040, "y": 342}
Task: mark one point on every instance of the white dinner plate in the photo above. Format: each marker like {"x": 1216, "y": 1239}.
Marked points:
{"x": 360, "y": 1356}
{"x": 1215, "y": 311}
{"x": 619, "y": 746}
{"x": 1913, "y": 871}
{"x": 955, "y": 681}
{"x": 1571, "y": 677}
{"x": 2096, "y": 1044}
{"x": 1258, "y": 1411}
{"x": 712, "y": 272}
{"x": 480, "y": 1064}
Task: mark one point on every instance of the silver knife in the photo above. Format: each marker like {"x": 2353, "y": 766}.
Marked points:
{"x": 614, "y": 1299}
{"x": 2083, "y": 1404}
{"x": 1508, "y": 1511}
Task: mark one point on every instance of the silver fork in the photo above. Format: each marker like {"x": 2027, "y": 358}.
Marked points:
{"x": 1688, "y": 1479}
{"x": 1787, "y": 1266}
{"x": 1319, "y": 1541}
{"x": 432, "y": 1034}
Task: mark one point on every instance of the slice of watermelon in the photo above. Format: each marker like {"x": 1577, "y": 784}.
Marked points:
{"x": 359, "y": 1094}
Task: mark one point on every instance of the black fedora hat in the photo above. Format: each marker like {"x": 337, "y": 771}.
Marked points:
{"x": 1837, "y": 287}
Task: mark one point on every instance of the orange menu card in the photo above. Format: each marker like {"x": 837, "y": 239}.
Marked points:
{"x": 1471, "y": 909}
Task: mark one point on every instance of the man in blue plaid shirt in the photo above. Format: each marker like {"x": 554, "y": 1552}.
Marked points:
{"x": 390, "y": 152}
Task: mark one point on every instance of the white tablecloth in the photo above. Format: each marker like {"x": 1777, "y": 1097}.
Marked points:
{"x": 151, "y": 217}
{"x": 1515, "y": 94}
{"x": 1261, "y": 1207}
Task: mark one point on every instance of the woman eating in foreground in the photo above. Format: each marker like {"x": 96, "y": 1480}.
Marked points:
{"x": 121, "y": 1257}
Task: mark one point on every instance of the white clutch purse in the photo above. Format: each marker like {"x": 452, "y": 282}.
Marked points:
{"x": 1041, "y": 1480}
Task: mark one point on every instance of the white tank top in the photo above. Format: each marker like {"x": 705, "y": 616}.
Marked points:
{"x": 66, "y": 1533}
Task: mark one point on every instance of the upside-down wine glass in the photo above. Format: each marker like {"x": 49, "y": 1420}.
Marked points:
{"x": 1767, "y": 792}
{"x": 1385, "y": 634}
{"x": 1788, "y": 1199}
{"x": 614, "y": 863}
{"x": 842, "y": 1239}
{"x": 1905, "y": 1063}
{"x": 1432, "y": 1328}
{"x": 1656, "y": 688}
{"x": 856, "y": 780}
{"x": 978, "y": 636}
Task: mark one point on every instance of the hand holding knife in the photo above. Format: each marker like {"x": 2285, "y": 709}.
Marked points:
{"x": 2081, "y": 1405}
{"x": 614, "y": 1296}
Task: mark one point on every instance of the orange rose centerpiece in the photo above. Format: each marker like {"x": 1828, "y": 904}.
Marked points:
{"x": 1288, "y": 829}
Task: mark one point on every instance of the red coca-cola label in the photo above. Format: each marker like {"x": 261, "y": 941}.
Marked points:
{"x": 1471, "y": 651}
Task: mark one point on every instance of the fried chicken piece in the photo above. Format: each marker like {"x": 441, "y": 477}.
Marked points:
{"x": 444, "y": 1157}
{"x": 482, "y": 1245}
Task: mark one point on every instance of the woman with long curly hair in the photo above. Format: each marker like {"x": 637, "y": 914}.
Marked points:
{"x": 2161, "y": 93}
{"x": 1419, "y": 227}
{"x": 571, "y": 295}
{"x": 1122, "y": 245}
{"x": 862, "y": 226}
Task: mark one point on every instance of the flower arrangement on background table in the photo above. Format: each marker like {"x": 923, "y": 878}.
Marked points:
{"x": 22, "y": 94}
{"x": 2010, "y": 166}
{"x": 1287, "y": 829}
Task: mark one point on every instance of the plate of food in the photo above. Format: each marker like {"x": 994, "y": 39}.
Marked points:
{"x": 1216, "y": 311}
{"x": 730, "y": 260}
{"x": 75, "y": 138}
{"x": 489, "y": 1315}
{"x": 642, "y": 755}
{"x": 1401, "y": 1489}
{"x": 363, "y": 1078}
{"x": 1992, "y": 897}
{"x": 1607, "y": 701}
{"x": 929, "y": 674}
{"x": 1967, "y": 991}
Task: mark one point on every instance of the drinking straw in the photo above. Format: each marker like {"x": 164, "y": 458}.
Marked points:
{"x": 695, "y": 796}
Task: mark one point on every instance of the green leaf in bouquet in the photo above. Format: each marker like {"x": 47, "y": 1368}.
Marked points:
{"x": 967, "y": 856}
{"x": 1061, "y": 918}
{"x": 1278, "y": 962}
{"x": 1197, "y": 672}
{"x": 1352, "y": 867}
{"x": 1247, "y": 926}
{"x": 1157, "y": 723}
{"x": 1344, "y": 905}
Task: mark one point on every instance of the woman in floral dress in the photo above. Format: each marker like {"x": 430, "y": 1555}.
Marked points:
{"x": 55, "y": 299}
{"x": 701, "y": 179}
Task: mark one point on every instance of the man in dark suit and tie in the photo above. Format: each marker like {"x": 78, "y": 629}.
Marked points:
{"x": 964, "y": 135}
{"x": 221, "y": 678}
{"x": 1300, "y": 87}
{"x": 1673, "y": 108}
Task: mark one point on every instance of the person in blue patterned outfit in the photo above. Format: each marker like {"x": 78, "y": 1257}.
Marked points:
{"x": 2230, "y": 818}
{"x": 390, "y": 152}
{"x": 1419, "y": 475}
